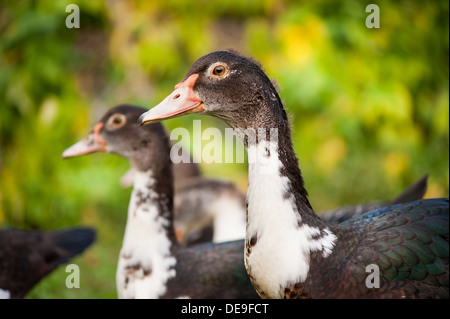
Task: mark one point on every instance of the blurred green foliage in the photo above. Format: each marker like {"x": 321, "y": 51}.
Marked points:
{"x": 369, "y": 107}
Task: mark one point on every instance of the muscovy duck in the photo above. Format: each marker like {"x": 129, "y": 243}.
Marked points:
{"x": 185, "y": 170}
{"x": 205, "y": 209}
{"x": 27, "y": 256}
{"x": 289, "y": 251}
{"x": 152, "y": 264}
{"x": 202, "y": 205}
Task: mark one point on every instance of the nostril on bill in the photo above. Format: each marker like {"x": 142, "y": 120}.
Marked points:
{"x": 176, "y": 96}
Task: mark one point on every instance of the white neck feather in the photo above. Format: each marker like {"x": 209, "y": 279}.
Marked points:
{"x": 280, "y": 256}
{"x": 145, "y": 263}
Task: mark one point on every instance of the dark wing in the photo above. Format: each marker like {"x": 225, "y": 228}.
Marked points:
{"x": 27, "y": 256}
{"x": 213, "y": 271}
{"x": 409, "y": 244}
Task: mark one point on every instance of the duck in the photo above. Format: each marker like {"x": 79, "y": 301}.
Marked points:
{"x": 397, "y": 251}
{"x": 27, "y": 256}
{"x": 152, "y": 263}
{"x": 214, "y": 210}
{"x": 200, "y": 215}
{"x": 205, "y": 209}
{"x": 184, "y": 170}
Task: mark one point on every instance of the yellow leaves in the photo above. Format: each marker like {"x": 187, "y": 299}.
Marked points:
{"x": 297, "y": 45}
{"x": 300, "y": 42}
{"x": 331, "y": 153}
{"x": 391, "y": 136}
{"x": 395, "y": 164}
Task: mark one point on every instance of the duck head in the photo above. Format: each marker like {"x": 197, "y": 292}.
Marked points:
{"x": 117, "y": 133}
{"x": 223, "y": 84}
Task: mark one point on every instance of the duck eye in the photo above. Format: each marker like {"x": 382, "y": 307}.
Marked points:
{"x": 117, "y": 120}
{"x": 219, "y": 70}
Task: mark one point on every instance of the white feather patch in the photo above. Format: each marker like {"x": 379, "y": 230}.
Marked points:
{"x": 145, "y": 264}
{"x": 282, "y": 251}
{"x": 5, "y": 294}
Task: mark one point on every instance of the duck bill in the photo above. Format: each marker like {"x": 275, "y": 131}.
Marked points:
{"x": 179, "y": 235}
{"x": 90, "y": 144}
{"x": 180, "y": 102}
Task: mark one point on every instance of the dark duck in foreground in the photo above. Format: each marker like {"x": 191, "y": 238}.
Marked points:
{"x": 27, "y": 256}
{"x": 289, "y": 251}
{"x": 152, "y": 264}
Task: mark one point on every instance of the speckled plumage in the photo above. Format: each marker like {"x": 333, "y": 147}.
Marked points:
{"x": 152, "y": 264}
{"x": 409, "y": 244}
{"x": 201, "y": 204}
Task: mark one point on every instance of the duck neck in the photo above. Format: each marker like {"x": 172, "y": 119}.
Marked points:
{"x": 151, "y": 204}
{"x": 271, "y": 157}
{"x": 282, "y": 230}
{"x": 273, "y": 166}
{"x": 147, "y": 260}
{"x": 153, "y": 187}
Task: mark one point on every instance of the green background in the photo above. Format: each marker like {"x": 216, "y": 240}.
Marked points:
{"x": 369, "y": 107}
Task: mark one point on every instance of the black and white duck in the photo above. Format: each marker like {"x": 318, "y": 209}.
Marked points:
{"x": 289, "y": 251}
{"x": 205, "y": 209}
{"x": 152, "y": 264}
{"x": 214, "y": 210}
{"x": 27, "y": 256}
